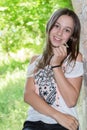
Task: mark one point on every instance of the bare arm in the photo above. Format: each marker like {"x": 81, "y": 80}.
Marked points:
{"x": 42, "y": 107}
{"x": 33, "y": 99}
{"x": 68, "y": 87}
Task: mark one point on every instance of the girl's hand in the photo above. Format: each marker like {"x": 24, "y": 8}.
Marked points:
{"x": 68, "y": 121}
{"x": 59, "y": 54}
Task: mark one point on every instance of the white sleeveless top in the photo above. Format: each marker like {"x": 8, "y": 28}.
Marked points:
{"x": 47, "y": 88}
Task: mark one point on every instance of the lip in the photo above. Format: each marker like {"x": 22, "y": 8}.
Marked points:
{"x": 57, "y": 41}
{"x": 57, "y": 38}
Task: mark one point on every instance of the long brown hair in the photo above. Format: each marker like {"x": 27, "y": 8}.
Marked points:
{"x": 73, "y": 42}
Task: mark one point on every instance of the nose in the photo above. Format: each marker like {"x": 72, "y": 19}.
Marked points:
{"x": 60, "y": 32}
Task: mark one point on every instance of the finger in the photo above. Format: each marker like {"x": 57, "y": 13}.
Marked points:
{"x": 57, "y": 52}
{"x": 60, "y": 51}
{"x": 63, "y": 50}
{"x": 74, "y": 125}
{"x": 65, "y": 44}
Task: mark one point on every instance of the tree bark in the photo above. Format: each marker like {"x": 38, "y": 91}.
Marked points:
{"x": 80, "y": 7}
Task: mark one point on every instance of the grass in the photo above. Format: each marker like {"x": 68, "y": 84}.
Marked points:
{"x": 12, "y": 107}
{"x": 13, "y": 110}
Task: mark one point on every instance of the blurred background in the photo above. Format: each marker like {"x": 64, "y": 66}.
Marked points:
{"x": 22, "y": 34}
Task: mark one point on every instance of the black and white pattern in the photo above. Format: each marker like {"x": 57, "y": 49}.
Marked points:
{"x": 44, "y": 78}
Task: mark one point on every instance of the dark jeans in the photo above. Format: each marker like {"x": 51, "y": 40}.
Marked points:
{"x": 39, "y": 125}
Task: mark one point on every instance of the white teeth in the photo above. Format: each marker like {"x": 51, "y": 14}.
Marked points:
{"x": 57, "y": 38}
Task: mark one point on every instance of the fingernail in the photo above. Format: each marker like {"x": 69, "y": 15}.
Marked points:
{"x": 66, "y": 45}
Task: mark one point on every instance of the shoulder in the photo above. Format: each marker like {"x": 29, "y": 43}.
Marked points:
{"x": 32, "y": 66}
{"x": 33, "y": 58}
{"x": 75, "y": 69}
{"x": 79, "y": 57}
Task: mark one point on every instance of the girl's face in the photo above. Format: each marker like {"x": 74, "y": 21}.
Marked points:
{"x": 62, "y": 30}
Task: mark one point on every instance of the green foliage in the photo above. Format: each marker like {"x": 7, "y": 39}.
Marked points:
{"x": 22, "y": 34}
{"x": 12, "y": 107}
{"x": 11, "y": 66}
{"x": 23, "y": 22}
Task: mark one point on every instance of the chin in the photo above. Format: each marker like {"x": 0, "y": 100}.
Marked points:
{"x": 55, "y": 46}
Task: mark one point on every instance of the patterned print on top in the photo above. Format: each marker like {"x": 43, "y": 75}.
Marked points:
{"x": 44, "y": 78}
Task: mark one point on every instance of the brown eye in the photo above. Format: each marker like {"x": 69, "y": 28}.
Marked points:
{"x": 56, "y": 25}
{"x": 67, "y": 30}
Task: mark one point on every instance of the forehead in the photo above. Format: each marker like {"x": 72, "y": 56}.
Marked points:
{"x": 65, "y": 21}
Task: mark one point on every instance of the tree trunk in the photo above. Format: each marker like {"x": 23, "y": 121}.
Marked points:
{"x": 80, "y": 7}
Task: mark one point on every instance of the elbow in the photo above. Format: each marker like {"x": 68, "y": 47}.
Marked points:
{"x": 72, "y": 103}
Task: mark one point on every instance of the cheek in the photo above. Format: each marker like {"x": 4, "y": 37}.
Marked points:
{"x": 52, "y": 31}
{"x": 67, "y": 37}
{"x": 50, "y": 35}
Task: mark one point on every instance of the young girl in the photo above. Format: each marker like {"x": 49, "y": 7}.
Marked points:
{"x": 54, "y": 78}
